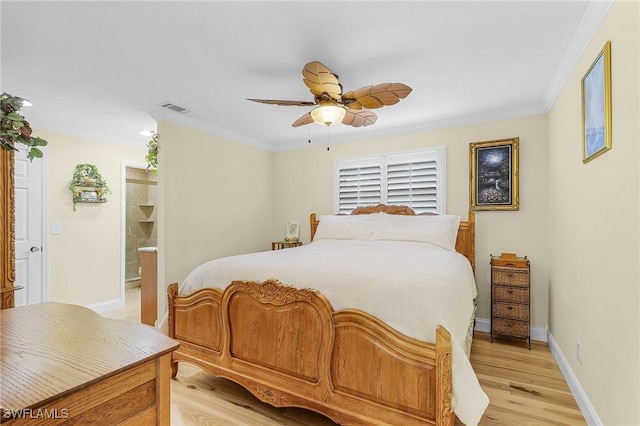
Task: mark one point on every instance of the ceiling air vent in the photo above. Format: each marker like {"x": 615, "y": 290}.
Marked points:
{"x": 173, "y": 107}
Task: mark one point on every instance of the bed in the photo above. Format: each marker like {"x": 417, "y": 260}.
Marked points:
{"x": 366, "y": 325}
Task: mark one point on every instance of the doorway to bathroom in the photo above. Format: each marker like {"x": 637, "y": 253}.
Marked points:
{"x": 140, "y": 224}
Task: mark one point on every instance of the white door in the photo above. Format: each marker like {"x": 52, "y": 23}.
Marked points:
{"x": 29, "y": 226}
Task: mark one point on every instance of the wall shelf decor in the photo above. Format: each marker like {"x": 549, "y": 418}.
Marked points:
{"x": 88, "y": 186}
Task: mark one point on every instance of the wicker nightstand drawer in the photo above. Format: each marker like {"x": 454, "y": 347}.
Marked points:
{"x": 510, "y": 262}
{"x": 511, "y": 310}
{"x": 510, "y": 276}
{"x": 510, "y": 327}
{"x": 510, "y": 294}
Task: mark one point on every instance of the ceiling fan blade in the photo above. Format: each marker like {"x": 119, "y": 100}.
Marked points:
{"x": 359, "y": 118}
{"x": 319, "y": 79}
{"x": 305, "y": 119}
{"x": 283, "y": 103}
{"x": 377, "y": 96}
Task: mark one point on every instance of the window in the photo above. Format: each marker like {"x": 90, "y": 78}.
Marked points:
{"x": 415, "y": 179}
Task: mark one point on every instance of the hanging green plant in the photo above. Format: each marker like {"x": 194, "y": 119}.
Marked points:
{"x": 152, "y": 154}
{"x": 15, "y": 129}
{"x": 88, "y": 186}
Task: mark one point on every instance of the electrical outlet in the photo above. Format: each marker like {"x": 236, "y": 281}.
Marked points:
{"x": 578, "y": 353}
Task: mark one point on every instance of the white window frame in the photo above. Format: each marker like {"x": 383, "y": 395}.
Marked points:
{"x": 437, "y": 154}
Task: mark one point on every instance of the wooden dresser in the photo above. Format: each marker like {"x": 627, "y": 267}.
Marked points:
{"x": 510, "y": 296}
{"x": 65, "y": 364}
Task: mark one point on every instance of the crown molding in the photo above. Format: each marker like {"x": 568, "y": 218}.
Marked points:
{"x": 505, "y": 114}
{"x": 593, "y": 17}
{"x": 177, "y": 118}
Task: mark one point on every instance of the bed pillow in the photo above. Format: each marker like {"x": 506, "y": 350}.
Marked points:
{"x": 441, "y": 230}
{"x": 357, "y": 227}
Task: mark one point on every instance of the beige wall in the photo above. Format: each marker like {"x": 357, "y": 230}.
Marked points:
{"x": 594, "y": 238}
{"x": 214, "y": 199}
{"x": 303, "y": 183}
{"x": 85, "y": 257}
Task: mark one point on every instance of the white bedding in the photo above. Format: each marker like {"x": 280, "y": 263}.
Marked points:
{"x": 411, "y": 286}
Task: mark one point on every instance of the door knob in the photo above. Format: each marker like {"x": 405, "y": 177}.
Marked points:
{"x": 35, "y": 249}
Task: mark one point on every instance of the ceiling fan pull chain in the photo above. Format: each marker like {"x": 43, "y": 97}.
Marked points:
{"x": 328, "y": 137}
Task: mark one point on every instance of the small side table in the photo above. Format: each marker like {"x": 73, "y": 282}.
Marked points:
{"x": 279, "y": 245}
{"x": 510, "y": 288}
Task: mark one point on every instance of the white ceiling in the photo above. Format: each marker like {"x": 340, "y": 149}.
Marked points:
{"x": 101, "y": 69}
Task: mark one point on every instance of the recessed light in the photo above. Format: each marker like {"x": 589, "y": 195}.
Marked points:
{"x": 147, "y": 132}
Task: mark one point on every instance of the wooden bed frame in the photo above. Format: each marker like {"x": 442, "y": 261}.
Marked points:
{"x": 288, "y": 347}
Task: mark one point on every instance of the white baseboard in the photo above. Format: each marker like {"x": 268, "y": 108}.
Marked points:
{"x": 537, "y": 333}
{"x": 106, "y": 306}
{"x": 589, "y": 413}
{"x": 544, "y": 335}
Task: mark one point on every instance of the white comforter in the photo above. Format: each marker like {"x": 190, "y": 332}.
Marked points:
{"x": 411, "y": 286}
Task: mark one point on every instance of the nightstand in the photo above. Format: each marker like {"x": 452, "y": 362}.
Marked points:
{"x": 510, "y": 296}
{"x": 278, "y": 245}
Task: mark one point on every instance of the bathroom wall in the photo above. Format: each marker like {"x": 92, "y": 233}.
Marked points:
{"x": 141, "y": 224}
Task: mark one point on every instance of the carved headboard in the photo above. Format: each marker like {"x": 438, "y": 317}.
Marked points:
{"x": 465, "y": 243}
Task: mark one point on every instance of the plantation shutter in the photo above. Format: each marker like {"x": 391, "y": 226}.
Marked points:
{"x": 412, "y": 180}
{"x": 359, "y": 184}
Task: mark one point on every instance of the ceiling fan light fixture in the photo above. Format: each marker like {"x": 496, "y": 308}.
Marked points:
{"x": 328, "y": 115}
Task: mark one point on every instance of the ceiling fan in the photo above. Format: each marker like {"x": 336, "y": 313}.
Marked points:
{"x": 332, "y": 106}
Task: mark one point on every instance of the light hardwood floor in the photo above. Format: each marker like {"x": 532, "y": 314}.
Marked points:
{"x": 525, "y": 387}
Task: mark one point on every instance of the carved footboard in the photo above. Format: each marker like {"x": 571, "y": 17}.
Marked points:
{"x": 289, "y": 348}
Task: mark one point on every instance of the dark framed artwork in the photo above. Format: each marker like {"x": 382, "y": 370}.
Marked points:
{"x": 596, "y": 106}
{"x": 494, "y": 175}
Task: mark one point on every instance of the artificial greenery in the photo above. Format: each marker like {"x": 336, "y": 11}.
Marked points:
{"x": 152, "y": 154}
{"x": 15, "y": 129}
{"x": 87, "y": 179}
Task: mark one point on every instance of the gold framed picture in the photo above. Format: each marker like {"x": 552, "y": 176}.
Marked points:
{"x": 596, "y": 106}
{"x": 493, "y": 184}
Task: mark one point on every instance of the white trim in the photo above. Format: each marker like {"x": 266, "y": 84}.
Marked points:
{"x": 537, "y": 333}
{"x": 484, "y": 117}
{"x": 544, "y": 335}
{"x": 504, "y": 114}
{"x": 593, "y": 17}
{"x": 174, "y": 117}
{"x": 46, "y": 231}
{"x": 123, "y": 223}
{"x": 588, "y": 411}
{"x": 106, "y": 306}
